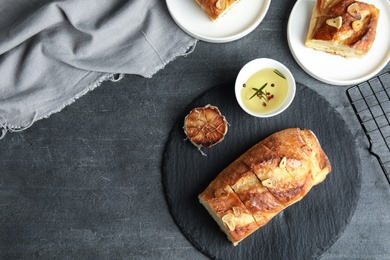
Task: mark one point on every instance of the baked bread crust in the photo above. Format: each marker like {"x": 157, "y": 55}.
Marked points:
{"x": 272, "y": 175}
{"x": 215, "y": 9}
{"x": 343, "y": 27}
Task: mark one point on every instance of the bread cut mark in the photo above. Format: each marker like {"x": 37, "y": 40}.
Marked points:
{"x": 286, "y": 178}
{"x": 265, "y": 166}
{"x": 291, "y": 162}
{"x": 256, "y": 198}
{"x": 247, "y": 187}
{"x": 228, "y": 211}
{"x": 236, "y": 219}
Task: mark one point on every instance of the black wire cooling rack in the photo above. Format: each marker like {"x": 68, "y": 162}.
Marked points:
{"x": 371, "y": 103}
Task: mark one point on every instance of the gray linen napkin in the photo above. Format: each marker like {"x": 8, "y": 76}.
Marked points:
{"x": 53, "y": 51}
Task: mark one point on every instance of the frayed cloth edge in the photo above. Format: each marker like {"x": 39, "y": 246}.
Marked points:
{"x": 115, "y": 77}
{"x": 6, "y": 127}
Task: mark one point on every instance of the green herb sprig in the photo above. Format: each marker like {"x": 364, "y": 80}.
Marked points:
{"x": 264, "y": 94}
{"x": 280, "y": 74}
{"x": 258, "y": 90}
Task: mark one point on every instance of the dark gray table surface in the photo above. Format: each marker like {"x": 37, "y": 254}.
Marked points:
{"x": 86, "y": 183}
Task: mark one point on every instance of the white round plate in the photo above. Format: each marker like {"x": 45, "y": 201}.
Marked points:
{"x": 242, "y": 19}
{"x": 334, "y": 69}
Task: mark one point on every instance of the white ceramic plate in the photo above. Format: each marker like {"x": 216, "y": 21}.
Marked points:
{"x": 330, "y": 68}
{"x": 242, "y": 19}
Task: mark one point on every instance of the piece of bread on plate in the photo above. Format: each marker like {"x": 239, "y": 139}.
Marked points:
{"x": 343, "y": 27}
{"x": 215, "y": 9}
{"x": 272, "y": 175}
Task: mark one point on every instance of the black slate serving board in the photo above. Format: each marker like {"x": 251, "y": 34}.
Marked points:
{"x": 302, "y": 231}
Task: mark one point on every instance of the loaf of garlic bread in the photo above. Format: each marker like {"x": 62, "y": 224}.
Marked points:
{"x": 272, "y": 175}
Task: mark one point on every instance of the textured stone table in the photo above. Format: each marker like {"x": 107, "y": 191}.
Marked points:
{"x": 86, "y": 183}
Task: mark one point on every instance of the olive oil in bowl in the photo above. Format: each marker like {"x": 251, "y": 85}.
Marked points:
{"x": 264, "y": 88}
{"x": 264, "y": 91}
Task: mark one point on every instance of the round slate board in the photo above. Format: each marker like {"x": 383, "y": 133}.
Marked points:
{"x": 302, "y": 231}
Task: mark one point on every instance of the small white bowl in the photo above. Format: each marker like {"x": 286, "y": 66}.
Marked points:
{"x": 259, "y": 64}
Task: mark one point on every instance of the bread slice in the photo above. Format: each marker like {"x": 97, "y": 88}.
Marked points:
{"x": 272, "y": 175}
{"x": 215, "y": 9}
{"x": 343, "y": 27}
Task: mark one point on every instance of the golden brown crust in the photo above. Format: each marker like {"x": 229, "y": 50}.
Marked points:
{"x": 215, "y": 9}
{"x": 228, "y": 211}
{"x": 343, "y": 27}
{"x": 273, "y": 174}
